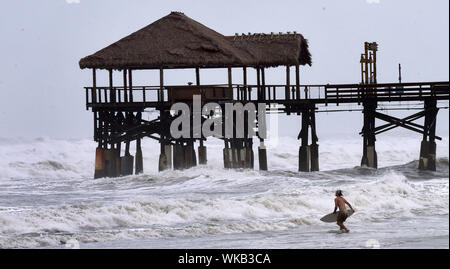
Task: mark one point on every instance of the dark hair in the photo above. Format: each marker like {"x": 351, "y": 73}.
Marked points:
{"x": 339, "y": 193}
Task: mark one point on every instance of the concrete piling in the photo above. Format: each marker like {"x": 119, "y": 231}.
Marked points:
{"x": 99, "y": 163}
{"x": 118, "y": 162}
{"x": 308, "y": 155}
{"x": 162, "y": 164}
{"x": 314, "y": 150}
{"x": 249, "y": 157}
{"x": 234, "y": 157}
{"x": 110, "y": 162}
{"x": 126, "y": 165}
{"x": 139, "y": 166}
{"x": 242, "y": 158}
{"x": 369, "y": 158}
{"x": 178, "y": 157}
{"x": 168, "y": 153}
{"x": 262, "y": 155}
{"x": 227, "y": 156}
{"x": 189, "y": 156}
{"x": 187, "y": 152}
{"x": 427, "y": 160}
{"x": 194, "y": 156}
{"x": 202, "y": 157}
{"x": 304, "y": 159}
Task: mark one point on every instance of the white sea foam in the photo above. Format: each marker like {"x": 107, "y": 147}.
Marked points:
{"x": 47, "y": 194}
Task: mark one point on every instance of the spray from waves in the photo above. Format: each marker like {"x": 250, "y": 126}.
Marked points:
{"x": 59, "y": 159}
{"x": 391, "y": 196}
{"x": 46, "y": 159}
{"x": 204, "y": 200}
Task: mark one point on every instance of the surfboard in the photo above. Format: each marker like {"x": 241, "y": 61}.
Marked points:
{"x": 332, "y": 217}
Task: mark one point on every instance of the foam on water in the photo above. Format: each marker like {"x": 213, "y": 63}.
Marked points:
{"x": 47, "y": 194}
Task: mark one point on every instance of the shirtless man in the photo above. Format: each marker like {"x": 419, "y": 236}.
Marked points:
{"x": 340, "y": 202}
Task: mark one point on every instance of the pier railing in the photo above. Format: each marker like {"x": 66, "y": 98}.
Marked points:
{"x": 150, "y": 95}
{"x": 323, "y": 94}
{"x": 356, "y": 93}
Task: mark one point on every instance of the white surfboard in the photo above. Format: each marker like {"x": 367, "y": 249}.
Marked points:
{"x": 332, "y": 217}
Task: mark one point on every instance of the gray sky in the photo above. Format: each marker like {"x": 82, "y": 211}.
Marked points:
{"x": 41, "y": 85}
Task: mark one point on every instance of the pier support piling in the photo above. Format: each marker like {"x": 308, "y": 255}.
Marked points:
{"x": 126, "y": 162}
{"x": 178, "y": 156}
{"x": 168, "y": 153}
{"x": 139, "y": 166}
{"x": 427, "y": 160}
{"x": 202, "y": 157}
{"x": 304, "y": 159}
{"x": 369, "y": 158}
{"x": 242, "y": 158}
{"x": 227, "y": 156}
{"x": 189, "y": 156}
{"x": 163, "y": 163}
{"x": 249, "y": 155}
{"x": 126, "y": 165}
{"x": 262, "y": 155}
{"x": 308, "y": 155}
{"x": 117, "y": 158}
{"x": 110, "y": 162}
{"x": 99, "y": 163}
{"x": 314, "y": 151}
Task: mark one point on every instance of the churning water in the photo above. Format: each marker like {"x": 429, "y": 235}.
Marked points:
{"x": 48, "y": 197}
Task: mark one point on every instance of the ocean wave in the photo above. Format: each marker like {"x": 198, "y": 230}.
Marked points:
{"x": 391, "y": 196}
{"x": 56, "y": 199}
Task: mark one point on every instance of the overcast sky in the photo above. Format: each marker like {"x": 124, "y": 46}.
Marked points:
{"x": 41, "y": 85}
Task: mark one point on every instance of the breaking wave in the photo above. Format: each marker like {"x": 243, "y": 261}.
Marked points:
{"x": 48, "y": 196}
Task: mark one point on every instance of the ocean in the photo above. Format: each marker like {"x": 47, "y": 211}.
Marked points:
{"x": 49, "y": 199}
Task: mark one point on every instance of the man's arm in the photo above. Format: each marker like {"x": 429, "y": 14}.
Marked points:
{"x": 335, "y": 206}
{"x": 349, "y": 205}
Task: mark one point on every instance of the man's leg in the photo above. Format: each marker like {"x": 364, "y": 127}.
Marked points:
{"x": 342, "y": 226}
{"x": 345, "y": 228}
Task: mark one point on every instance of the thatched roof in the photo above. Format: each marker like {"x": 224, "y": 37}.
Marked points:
{"x": 177, "y": 41}
{"x": 274, "y": 49}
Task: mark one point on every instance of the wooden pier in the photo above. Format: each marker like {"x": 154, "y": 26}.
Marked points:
{"x": 118, "y": 109}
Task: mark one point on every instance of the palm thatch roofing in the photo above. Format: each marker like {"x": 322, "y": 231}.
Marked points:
{"x": 274, "y": 49}
{"x": 177, "y": 41}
